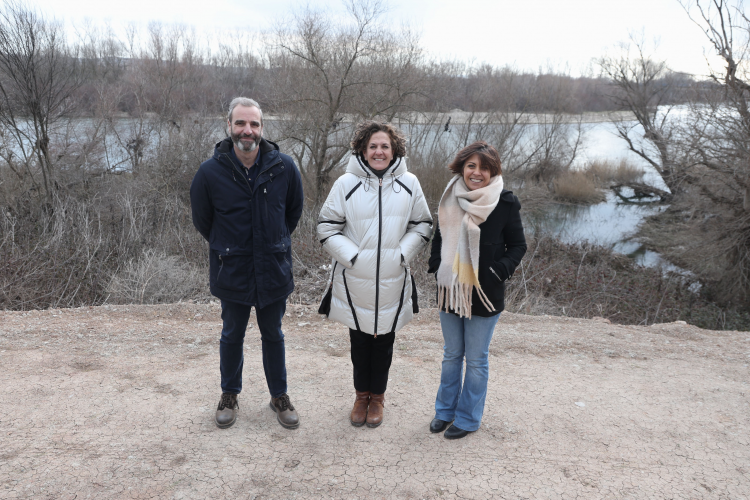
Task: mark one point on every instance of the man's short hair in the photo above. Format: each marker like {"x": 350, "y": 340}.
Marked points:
{"x": 244, "y": 101}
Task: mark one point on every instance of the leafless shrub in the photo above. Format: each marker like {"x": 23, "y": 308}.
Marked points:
{"x": 157, "y": 278}
{"x": 519, "y": 300}
{"x": 50, "y": 257}
{"x": 311, "y": 264}
{"x": 62, "y": 254}
{"x": 586, "y": 185}
{"x": 588, "y": 281}
{"x": 433, "y": 178}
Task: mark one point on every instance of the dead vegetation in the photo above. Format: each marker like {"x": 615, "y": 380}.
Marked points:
{"x": 587, "y": 185}
{"x": 93, "y": 200}
{"x": 577, "y": 187}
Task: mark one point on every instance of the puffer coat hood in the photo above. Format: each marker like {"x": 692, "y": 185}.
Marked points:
{"x": 381, "y": 225}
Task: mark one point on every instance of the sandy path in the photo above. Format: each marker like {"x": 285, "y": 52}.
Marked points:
{"x": 118, "y": 402}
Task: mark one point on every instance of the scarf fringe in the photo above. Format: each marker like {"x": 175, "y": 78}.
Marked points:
{"x": 457, "y": 298}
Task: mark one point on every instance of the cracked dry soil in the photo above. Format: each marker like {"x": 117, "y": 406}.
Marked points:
{"x": 118, "y": 402}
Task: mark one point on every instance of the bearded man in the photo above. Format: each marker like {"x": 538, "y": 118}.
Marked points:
{"x": 246, "y": 201}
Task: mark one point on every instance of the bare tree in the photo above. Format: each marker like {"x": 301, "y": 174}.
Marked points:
{"x": 39, "y": 75}
{"x": 328, "y": 74}
{"x": 555, "y": 137}
{"x": 642, "y": 86}
{"x": 717, "y": 141}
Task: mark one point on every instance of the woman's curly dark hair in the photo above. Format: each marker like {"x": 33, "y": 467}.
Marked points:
{"x": 365, "y": 130}
{"x": 487, "y": 154}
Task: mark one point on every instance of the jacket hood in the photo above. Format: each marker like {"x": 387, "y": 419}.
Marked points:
{"x": 357, "y": 167}
{"x": 226, "y": 144}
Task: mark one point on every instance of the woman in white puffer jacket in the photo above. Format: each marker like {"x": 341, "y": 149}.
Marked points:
{"x": 373, "y": 223}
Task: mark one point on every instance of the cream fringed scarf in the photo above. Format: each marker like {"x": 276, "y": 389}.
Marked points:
{"x": 460, "y": 212}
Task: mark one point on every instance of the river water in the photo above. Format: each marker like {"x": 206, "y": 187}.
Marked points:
{"x": 612, "y": 223}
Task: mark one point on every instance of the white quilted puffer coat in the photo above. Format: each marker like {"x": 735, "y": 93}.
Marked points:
{"x": 384, "y": 223}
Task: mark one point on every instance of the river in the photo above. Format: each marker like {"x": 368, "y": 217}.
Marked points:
{"x": 612, "y": 223}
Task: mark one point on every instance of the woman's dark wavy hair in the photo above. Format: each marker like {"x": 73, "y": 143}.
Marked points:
{"x": 365, "y": 130}
{"x": 488, "y": 155}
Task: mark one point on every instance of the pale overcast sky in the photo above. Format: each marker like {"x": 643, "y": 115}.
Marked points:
{"x": 528, "y": 34}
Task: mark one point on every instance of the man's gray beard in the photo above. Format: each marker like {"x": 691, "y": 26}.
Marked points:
{"x": 247, "y": 148}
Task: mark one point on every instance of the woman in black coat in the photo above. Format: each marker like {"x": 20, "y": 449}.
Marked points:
{"x": 476, "y": 248}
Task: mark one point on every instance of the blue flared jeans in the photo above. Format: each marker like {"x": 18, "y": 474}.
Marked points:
{"x": 461, "y": 398}
{"x": 235, "y": 317}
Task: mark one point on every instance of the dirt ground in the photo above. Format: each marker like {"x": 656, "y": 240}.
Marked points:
{"x": 118, "y": 402}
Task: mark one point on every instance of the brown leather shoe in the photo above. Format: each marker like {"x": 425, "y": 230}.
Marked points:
{"x": 359, "y": 412}
{"x": 285, "y": 412}
{"x": 226, "y": 413}
{"x": 375, "y": 411}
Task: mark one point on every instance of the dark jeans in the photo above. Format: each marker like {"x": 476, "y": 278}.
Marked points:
{"x": 371, "y": 359}
{"x": 235, "y": 317}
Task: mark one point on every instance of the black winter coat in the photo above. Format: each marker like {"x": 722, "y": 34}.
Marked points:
{"x": 501, "y": 247}
{"x": 246, "y": 226}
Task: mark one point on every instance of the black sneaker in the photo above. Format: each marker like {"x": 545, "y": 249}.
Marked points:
{"x": 226, "y": 413}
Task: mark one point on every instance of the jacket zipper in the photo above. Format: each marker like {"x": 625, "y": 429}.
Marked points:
{"x": 377, "y": 267}
{"x": 265, "y": 201}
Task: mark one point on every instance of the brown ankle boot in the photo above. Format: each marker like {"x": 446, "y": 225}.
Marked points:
{"x": 359, "y": 412}
{"x": 375, "y": 412}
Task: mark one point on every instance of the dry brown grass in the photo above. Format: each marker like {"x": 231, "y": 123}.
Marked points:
{"x": 577, "y": 187}
{"x": 587, "y": 185}
{"x": 605, "y": 173}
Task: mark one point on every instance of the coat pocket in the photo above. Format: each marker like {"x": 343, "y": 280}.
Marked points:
{"x": 230, "y": 272}
{"x": 281, "y": 245}
{"x": 496, "y": 275}
{"x": 279, "y": 262}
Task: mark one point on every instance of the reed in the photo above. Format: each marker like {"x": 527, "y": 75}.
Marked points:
{"x": 576, "y": 187}
{"x": 605, "y": 172}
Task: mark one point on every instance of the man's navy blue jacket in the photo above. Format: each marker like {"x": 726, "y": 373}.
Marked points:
{"x": 248, "y": 229}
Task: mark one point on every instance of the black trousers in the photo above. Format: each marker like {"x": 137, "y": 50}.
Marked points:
{"x": 371, "y": 359}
